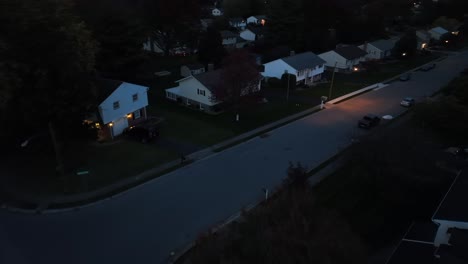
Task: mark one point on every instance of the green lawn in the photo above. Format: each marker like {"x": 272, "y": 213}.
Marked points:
{"x": 110, "y": 162}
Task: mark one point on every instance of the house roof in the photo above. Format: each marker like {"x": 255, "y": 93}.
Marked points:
{"x": 439, "y": 30}
{"x": 195, "y": 66}
{"x": 303, "y": 60}
{"x": 106, "y": 87}
{"x": 350, "y": 52}
{"x": 453, "y": 206}
{"x": 228, "y": 34}
{"x": 383, "y": 44}
{"x": 209, "y": 79}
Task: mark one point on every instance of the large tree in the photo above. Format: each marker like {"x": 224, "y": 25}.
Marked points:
{"x": 407, "y": 45}
{"x": 285, "y": 25}
{"x": 211, "y": 48}
{"x": 240, "y": 79}
{"x": 120, "y": 31}
{"x": 47, "y": 58}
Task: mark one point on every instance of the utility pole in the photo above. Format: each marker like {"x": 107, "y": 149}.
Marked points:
{"x": 332, "y": 80}
{"x": 287, "y": 91}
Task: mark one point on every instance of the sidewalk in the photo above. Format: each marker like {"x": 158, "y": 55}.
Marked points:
{"x": 73, "y": 202}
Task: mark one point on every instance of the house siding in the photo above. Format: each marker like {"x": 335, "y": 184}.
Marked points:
{"x": 188, "y": 89}
{"x": 442, "y": 237}
{"x": 124, "y": 94}
{"x": 342, "y": 63}
{"x": 276, "y": 69}
{"x": 248, "y": 35}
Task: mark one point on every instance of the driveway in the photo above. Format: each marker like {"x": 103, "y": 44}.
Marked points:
{"x": 145, "y": 224}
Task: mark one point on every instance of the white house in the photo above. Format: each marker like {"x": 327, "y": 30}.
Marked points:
{"x": 252, "y": 33}
{"x": 217, "y": 12}
{"x": 191, "y": 69}
{"x": 122, "y": 104}
{"x": 229, "y": 38}
{"x": 379, "y": 49}
{"x": 258, "y": 20}
{"x": 307, "y": 67}
{"x": 197, "y": 91}
{"x": 344, "y": 58}
{"x": 437, "y": 32}
{"x": 238, "y": 22}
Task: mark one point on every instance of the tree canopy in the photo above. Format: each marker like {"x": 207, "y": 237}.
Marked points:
{"x": 47, "y": 61}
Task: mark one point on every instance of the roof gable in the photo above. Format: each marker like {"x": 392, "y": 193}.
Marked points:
{"x": 350, "y": 52}
{"x": 383, "y": 44}
{"x": 439, "y": 30}
{"x": 303, "y": 60}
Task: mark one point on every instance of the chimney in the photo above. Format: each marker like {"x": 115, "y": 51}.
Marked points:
{"x": 292, "y": 53}
{"x": 210, "y": 67}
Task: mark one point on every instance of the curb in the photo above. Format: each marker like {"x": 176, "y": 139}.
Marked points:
{"x": 207, "y": 152}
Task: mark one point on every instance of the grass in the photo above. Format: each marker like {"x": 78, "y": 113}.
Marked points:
{"x": 109, "y": 163}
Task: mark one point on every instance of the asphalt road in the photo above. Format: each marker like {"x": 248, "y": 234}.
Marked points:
{"x": 145, "y": 224}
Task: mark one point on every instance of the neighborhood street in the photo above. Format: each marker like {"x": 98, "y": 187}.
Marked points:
{"x": 145, "y": 224}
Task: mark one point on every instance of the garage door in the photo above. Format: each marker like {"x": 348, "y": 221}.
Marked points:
{"x": 119, "y": 126}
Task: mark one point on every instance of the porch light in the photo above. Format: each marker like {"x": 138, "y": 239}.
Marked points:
{"x": 129, "y": 116}
{"x": 446, "y": 41}
{"x": 111, "y": 124}
{"x": 403, "y": 54}
{"x": 424, "y": 45}
{"x": 355, "y": 69}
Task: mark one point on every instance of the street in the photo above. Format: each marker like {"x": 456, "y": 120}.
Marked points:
{"x": 145, "y": 224}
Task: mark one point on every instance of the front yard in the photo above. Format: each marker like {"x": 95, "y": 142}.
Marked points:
{"x": 186, "y": 130}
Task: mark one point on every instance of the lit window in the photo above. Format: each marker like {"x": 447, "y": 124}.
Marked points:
{"x": 135, "y": 97}
{"x": 116, "y": 105}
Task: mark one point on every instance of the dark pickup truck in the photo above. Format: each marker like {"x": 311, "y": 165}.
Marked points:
{"x": 369, "y": 121}
{"x": 144, "y": 132}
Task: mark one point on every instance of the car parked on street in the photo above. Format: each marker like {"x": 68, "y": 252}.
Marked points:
{"x": 369, "y": 121}
{"x": 407, "y": 102}
{"x": 405, "y": 77}
{"x": 428, "y": 67}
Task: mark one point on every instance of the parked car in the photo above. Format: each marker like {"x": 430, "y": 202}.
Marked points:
{"x": 142, "y": 133}
{"x": 369, "y": 121}
{"x": 428, "y": 67}
{"x": 405, "y": 77}
{"x": 407, "y": 102}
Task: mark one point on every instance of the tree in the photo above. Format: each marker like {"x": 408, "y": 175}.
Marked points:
{"x": 406, "y": 46}
{"x": 120, "y": 32}
{"x": 211, "y": 48}
{"x": 240, "y": 81}
{"x": 49, "y": 78}
{"x": 285, "y": 25}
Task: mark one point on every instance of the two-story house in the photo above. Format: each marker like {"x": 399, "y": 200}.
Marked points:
{"x": 307, "y": 67}
{"x": 122, "y": 105}
{"x": 379, "y": 49}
